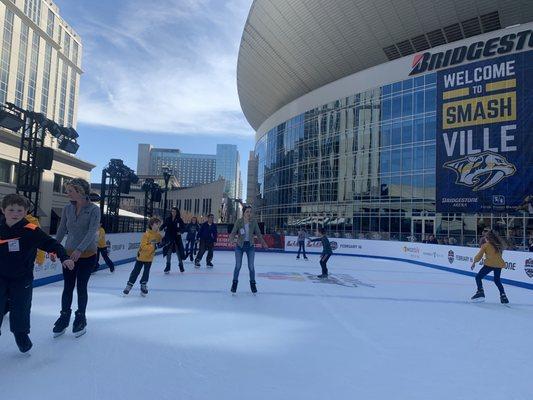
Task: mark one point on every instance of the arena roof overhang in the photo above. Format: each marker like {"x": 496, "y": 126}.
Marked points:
{"x": 292, "y": 47}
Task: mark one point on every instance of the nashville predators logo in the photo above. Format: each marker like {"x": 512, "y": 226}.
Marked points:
{"x": 481, "y": 171}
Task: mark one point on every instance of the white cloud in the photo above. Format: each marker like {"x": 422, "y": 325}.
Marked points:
{"x": 168, "y": 68}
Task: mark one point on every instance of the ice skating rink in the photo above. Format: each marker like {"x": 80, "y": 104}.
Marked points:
{"x": 375, "y": 330}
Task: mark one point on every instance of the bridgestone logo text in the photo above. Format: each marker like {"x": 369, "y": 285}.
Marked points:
{"x": 483, "y": 49}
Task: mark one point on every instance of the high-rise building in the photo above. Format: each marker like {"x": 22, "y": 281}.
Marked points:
{"x": 40, "y": 69}
{"x": 251, "y": 187}
{"x": 189, "y": 169}
{"x": 228, "y": 167}
{"x": 193, "y": 169}
{"x": 376, "y": 123}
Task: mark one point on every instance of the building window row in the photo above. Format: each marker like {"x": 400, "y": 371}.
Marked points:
{"x": 6, "y": 54}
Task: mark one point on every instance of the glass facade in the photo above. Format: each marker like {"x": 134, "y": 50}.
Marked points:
{"x": 227, "y": 167}
{"x": 364, "y": 167}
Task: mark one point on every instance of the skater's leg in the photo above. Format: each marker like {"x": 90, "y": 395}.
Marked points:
{"x": 303, "y": 248}
{"x": 107, "y": 260}
{"x": 146, "y": 273}
{"x": 82, "y": 281}
{"x": 209, "y": 252}
{"x": 238, "y": 263}
{"x": 498, "y": 281}
{"x": 323, "y": 263}
{"x": 299, "y": 249}
{"x": 250, "y": 254}
{"x": 3, "y": 299}
{"x": 69, "y": 282}
{"x": 169, "y": 256}
{"x": 20, "y": 295}
{"x": 96, "y": 264}
{"x": 135, "y": 272}
{"x": 480, "y": 275}
{"x": 202, "y": 251}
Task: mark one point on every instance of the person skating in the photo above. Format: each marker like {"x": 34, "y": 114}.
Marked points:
{"x": 208, "y": 237}
{"x": 243, "y": 235}
{"x": 326, "y": 251}
{"x": 191, "y": 246}
{"x": 173, "y": 227}
{"x": 302, "y": 235}
{"x": 19, "y": 241}
{"x": 145, "y": 256}
{"x": 102, "y": 251}
{"x": 492, "y": 249}
{"x": 80, "y": 221}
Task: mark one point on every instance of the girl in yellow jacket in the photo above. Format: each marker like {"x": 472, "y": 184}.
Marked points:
{"x": 492, "y": 249}
{"x": 145, "y": 256}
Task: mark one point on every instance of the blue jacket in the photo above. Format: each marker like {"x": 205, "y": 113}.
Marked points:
{"x": 192, "y": 231}
{"x": 208, "y": 233}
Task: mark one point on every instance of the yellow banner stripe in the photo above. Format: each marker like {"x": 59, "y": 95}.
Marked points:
{"x": 452, "y": 94}
{"x": 509, "y": 83}
{"x": 496, "y": 108}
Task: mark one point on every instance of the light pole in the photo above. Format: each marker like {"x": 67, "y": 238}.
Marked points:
{"x": 166, "y": 177}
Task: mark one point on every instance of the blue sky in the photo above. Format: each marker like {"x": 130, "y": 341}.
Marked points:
{"x": 164, "y": 74}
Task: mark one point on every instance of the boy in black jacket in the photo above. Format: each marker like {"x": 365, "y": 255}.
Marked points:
{"x": 19, "y": 241}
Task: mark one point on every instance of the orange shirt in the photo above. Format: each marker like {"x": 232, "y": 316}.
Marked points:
{"x": 492, "y": 257}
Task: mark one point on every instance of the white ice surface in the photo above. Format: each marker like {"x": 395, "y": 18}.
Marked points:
{"x": 412, "y": 336}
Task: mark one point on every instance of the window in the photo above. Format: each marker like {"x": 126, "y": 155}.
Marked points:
{"x": 50, "y": 23}
{"x": 59, "y": 183}
{"x": 34, "y": 61}
{"x": 32, "y": 8}
{"x": 46, "y": 79}
{"x": 6, "y": 54}
{"x": 21, "y": 70}
{"x": 63, "y": 94}
{"x": 5, "y": 171}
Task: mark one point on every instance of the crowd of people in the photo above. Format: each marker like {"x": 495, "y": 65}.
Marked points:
{"x": 22, "y": 243}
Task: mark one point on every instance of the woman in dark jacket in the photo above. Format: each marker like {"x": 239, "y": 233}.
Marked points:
{"x": 173, "y": 227}
{"x": 192, "y": 232}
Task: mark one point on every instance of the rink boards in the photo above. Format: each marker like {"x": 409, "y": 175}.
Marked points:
{"x": 457, "y": 259}
{"x": 519, "y": 265}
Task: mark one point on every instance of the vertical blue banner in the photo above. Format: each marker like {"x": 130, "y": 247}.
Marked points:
{"x": 485, "y": 136}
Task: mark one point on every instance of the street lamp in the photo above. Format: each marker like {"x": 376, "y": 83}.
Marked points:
{"x": 166, "y": 177}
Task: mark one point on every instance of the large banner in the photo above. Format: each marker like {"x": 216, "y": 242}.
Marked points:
{"x": 518, "y": 264}
{"x": 484, "y": 136}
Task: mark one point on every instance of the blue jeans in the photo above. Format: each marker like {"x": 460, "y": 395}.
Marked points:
{"x": 249, "y": 249}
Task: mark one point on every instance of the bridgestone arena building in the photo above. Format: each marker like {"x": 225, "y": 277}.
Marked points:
{"x": 392, "y": 120}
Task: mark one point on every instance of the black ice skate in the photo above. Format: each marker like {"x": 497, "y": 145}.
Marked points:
{"x": 181, "y": 267}
{"x": 234, "y": 286}
{"x": 253, "y": 287}
{"x": 167, "y": 269}
{"x": 79, "y": 325}
{"x": 504, "y": 299}
{"x": 127, "y": 289}
{"x": 23, "y": 342}
{"x": 144, "y": 290}
{"x": 478, "y": 297}
{"x": 322, "y": 276}
{"x": 62, "y": 323}
{"x": 197, "y": 264}
{"x": 210, "y": 264}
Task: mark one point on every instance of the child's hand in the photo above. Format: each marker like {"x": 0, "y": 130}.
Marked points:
{"x": 69, "y": 264}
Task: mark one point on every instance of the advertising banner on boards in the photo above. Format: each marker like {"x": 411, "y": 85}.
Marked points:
{"x": 518, "y": 264}
{"x": 484, "y": 137}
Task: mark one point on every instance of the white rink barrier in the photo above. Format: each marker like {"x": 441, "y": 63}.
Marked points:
{"x": 122, "y": 249}
{"x": 458, "y": 259}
